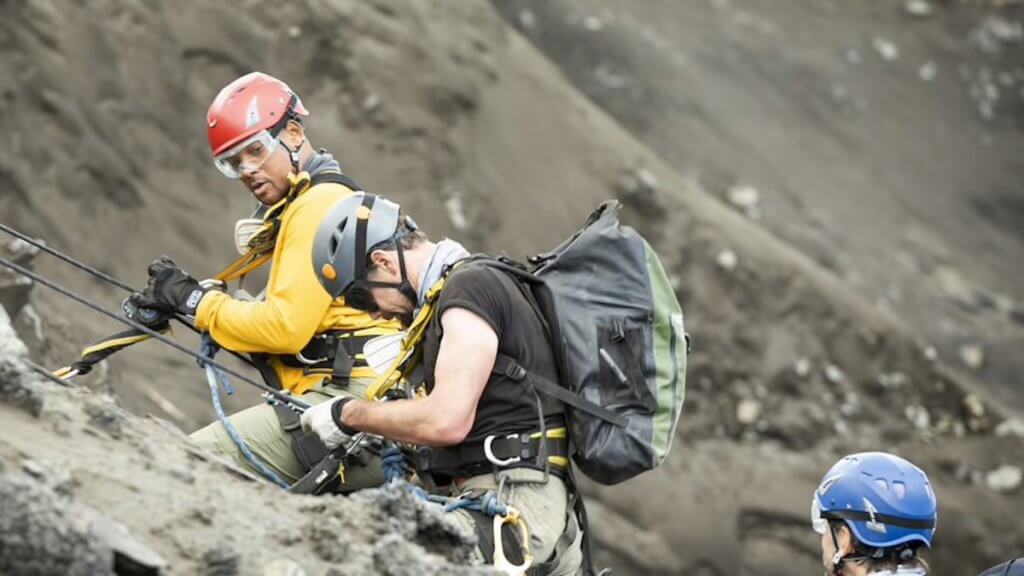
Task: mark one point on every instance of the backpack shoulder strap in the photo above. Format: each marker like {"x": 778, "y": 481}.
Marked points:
{"x": 331, "y": 177}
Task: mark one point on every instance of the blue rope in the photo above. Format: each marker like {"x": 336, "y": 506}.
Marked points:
{"x": 486, "y": 503}
{"x": 213, "y": 377}
{"x": 392, "y": 464}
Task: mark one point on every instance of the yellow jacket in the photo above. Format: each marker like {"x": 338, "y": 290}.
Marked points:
{"x": 296, "y": 305}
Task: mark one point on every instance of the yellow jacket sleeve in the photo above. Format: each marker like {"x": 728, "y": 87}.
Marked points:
{"x": 295, "y": 305}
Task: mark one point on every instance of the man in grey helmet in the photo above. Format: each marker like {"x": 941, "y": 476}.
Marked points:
{"x": 482, "y": 437}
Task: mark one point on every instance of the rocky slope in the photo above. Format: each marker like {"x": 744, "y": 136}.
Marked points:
{"x": 87, "y": 488}
{"x": 449, "y": 110}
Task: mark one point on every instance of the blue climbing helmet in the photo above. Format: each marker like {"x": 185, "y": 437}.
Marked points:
{"x": 885, "y": 501}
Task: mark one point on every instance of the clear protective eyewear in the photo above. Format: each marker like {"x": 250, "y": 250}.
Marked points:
{"x": 819, "y": 524}
{"x": 247, "y": 156}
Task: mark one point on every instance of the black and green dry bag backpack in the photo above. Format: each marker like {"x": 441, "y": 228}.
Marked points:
{"x": 617, "y": 331}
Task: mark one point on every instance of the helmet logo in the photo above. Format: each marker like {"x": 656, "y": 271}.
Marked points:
{"x": 252, "y": 115}
{"x": 873, "y": 524}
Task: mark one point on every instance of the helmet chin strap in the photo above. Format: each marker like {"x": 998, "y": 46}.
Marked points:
{"x": 293, "y": 155}
{"x": 405, "y": 287}
{"x": 838, "y": 558}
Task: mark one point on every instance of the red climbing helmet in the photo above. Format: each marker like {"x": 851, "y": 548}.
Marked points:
{"x": 253, "y": 108}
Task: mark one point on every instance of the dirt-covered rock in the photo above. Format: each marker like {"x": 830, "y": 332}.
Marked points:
{"x": 87, "y": 488}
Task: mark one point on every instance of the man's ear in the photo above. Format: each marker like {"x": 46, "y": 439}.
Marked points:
{"x": 845, "y": 539}
{"x": 294, "y": 134}
{"x": 380, "y": 259}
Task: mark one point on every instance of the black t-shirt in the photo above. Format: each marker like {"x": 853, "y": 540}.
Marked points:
{"x": 506, "y": 406}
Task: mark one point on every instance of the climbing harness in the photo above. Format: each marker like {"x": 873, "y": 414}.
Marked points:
{"x": 493, "y": 538}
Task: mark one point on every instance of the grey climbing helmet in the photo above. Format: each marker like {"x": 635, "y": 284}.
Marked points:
{"x": 351, "y": 231}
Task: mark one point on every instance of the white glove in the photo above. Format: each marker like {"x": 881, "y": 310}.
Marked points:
{"x": 319, "y": 419}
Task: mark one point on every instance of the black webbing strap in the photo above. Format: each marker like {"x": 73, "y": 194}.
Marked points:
{"x": 508, "y": 367}
{"x": 360, "y": 249}
{"x": 858, "y": 516}
{"x": 469, "y": 459}
{"x": 331, "y": 177}
{"x": 309, "y": 449}
{"x": 333, "y": 352}
{"x": 580, "y": 510}
{"x": 261, "y": 363}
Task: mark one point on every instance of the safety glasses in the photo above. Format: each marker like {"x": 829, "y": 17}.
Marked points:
{"x": 249, "y": 155}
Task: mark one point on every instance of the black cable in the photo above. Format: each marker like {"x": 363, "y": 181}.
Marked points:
{"x": 57, "y": 253}
{"x": 149, "y": 331}
{"x": 47, "y": 374}
{"x": 102, "y": 276}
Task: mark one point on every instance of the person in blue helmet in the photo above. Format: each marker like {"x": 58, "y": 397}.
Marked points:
{"x": 875, "y": 513}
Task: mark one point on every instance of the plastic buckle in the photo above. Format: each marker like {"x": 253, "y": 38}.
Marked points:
{"x": 515, "y": 372}
{"x": 489, "y": 452}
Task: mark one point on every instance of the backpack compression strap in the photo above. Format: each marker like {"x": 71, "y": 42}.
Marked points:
{"x": 508, "y": 367}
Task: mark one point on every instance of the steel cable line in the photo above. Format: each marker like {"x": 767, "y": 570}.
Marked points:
{"x": 278, "y": 395}
{"x": 102, "y": 276}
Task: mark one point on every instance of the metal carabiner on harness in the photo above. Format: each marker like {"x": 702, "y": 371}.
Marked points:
{"x": 489, "y": 451}
{"x": 307, "y": 361}
{"x": 501, "y": 562}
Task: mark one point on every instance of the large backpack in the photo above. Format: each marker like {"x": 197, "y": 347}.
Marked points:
{"x": 617, "y": 332}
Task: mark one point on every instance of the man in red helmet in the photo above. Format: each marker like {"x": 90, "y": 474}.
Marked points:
{"x": 302, "y": 340}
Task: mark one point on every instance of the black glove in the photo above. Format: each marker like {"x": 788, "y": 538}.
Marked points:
{"x": 171, "y": 289}
{"x": 155, "y": 319}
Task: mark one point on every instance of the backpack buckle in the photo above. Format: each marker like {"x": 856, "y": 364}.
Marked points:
{"x": 489, "y": 451}
{"x": 515, "y": 372}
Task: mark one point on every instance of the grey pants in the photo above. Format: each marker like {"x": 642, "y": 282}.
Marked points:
{"x": 261, "y": 430}
{"x": 543, "y": 507}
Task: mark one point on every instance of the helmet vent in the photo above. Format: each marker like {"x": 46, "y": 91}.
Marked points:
{"x": 336, "y": 236}
{"x": 900, "y": 489}
{"x": 882, "y": 484}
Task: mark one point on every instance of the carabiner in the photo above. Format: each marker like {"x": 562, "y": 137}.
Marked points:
{"x": 502, "y": 563}
{"x": 489, "y": 452}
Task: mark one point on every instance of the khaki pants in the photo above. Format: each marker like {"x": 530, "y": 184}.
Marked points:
{"x": 261, "y": 430}
{"x": 544, "y": 509}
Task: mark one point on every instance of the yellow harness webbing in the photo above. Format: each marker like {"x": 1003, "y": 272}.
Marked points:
{"x": 261, "y": 245}
{"x": 411, "y": 353}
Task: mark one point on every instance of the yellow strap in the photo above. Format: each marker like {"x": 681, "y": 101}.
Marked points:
{"x": 408, "y": 356}
{"x": 244, "y": 265}
{"x": 117, "y": 342}
{"x": 371, "y": 331}
{"x": 559, "y": 461}
{"x": 62, "y": 372}
{"x": 261, "y": 245}
{"x": 560, "y": 432}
